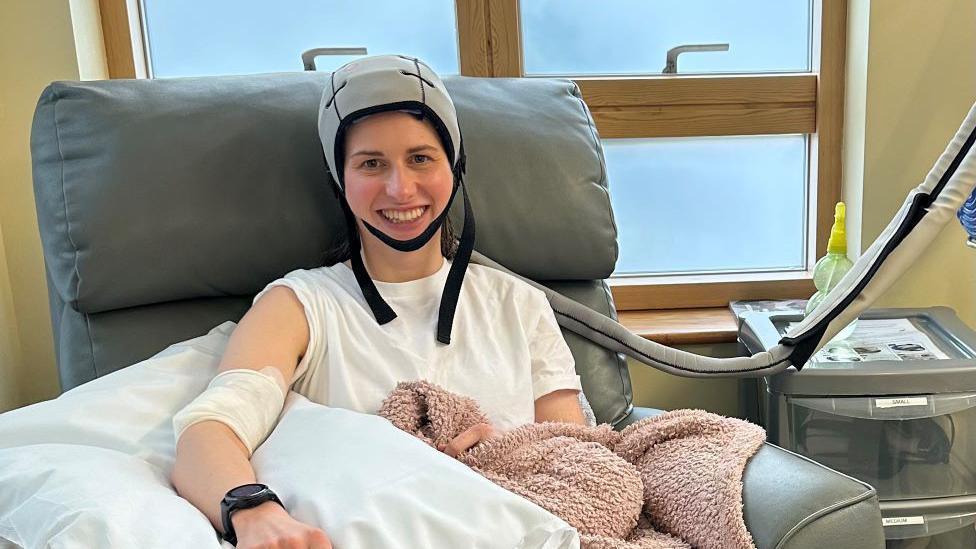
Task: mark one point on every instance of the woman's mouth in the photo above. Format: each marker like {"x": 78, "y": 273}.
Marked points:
{"x": 403, "y": 218}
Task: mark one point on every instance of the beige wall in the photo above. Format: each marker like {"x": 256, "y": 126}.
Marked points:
{"x": 911, "y": 78}
{"x": 10, "y": 358}
{"x": 855, "y": 100}
{"x": 921, "y": 83}
{"x": 37, "y": 46}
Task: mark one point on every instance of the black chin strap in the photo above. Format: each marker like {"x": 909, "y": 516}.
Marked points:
{"x": 452, "y": 288}
{"x": 381, "y": 310}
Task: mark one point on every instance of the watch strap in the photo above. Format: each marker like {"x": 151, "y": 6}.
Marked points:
{"x": 228, "y": 506}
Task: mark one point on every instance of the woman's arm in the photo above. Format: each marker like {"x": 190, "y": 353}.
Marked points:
{"x": 210, "y": 458}
{"x": 562, "y": 405}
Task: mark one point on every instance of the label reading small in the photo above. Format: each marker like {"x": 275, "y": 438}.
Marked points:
{"x": 899, "y": 402}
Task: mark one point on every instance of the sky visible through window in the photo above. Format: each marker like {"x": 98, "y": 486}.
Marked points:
{"x": 192, "y": 38}
{"x": 633, "y": 36}
{"x": 708, "y": 203}
{"x": 691, "y": 204}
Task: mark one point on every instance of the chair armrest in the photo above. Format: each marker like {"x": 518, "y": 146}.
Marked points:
{"x": 792, "y": 502}
{"x": 637, "y": 413}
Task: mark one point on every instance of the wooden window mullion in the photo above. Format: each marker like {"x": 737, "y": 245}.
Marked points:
{"x": 472, "y": 29}
{"x": 505, "y": 38}
{"x": 119, "y": 50}
{"x": 827, "y": 143}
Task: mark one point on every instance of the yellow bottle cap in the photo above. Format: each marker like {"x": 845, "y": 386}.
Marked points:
{"x": 838, "y": 233}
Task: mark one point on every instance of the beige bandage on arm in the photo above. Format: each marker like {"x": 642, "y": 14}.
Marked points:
{"x": 248, "y": 401}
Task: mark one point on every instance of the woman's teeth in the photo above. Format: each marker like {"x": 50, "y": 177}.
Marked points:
{"x": 403, "y": 216}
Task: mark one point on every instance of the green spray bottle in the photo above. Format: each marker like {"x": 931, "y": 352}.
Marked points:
{"x": 833, "y": 266}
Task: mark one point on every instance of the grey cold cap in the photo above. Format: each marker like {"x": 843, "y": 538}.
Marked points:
{"x": 379, "y": 84}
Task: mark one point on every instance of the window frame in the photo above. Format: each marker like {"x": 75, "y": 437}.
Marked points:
{"x": 489, "y": 45}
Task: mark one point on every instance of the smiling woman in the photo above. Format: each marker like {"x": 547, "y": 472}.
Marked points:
{"x": 346, "y": 333}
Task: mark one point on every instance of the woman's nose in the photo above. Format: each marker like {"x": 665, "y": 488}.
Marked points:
{"x": 401, "y": 184}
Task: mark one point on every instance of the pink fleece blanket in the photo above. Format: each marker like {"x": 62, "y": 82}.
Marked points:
{"x": 668, "y": 481}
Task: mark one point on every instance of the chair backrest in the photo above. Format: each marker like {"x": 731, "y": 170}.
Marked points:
{"x": 164, "y": 205}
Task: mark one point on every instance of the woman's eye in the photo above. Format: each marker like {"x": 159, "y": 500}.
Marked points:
{"x": 421, "y": 158}
{"x": 371, "y": 163}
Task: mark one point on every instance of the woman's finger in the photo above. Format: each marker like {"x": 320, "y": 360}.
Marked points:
{"x": 319, "y": 541}
{"x": 467, "y": 439}
{"x": 320, "y": 545}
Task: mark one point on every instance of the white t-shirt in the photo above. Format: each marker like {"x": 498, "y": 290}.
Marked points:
{"x": 506, "y": 349}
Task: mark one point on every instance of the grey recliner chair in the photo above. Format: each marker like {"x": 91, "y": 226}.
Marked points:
{"x": 165, "y": 205}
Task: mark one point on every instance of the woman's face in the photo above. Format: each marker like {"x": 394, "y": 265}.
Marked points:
{"x": 397, "y": 176}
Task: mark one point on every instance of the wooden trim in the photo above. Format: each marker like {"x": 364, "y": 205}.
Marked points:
{"x": 118, "y": 38}
{"x": 666, "y": 91}
{"x": 682, "y": 326}
{"x": 505, "y": 38}
{"x": 702, "y": 105}
{"x": 705, "y": 120}
{"x": 827, "y": 144}
{"x": 694, "y": 292}
{"x": 472, "y": 28}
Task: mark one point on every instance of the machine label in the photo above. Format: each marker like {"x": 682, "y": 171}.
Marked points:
{"x": 898, "y": 402}
{"x": 900, "y": 521}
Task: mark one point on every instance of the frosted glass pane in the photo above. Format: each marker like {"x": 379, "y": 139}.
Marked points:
{"x": 709, "y": 204}
{"x": 577, "y": 37}
{"x": 190, "y": 38}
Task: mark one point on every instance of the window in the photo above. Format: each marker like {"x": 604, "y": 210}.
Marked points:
{"x": 190, "y": 38}
{"x": 737, "y": 130}
{"x": 742, "y": 210}
{"x": 586, "y": 38}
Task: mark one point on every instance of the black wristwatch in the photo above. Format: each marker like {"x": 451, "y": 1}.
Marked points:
{"x": 244, "y": 496}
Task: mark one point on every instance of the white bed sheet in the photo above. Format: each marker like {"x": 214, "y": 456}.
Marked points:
{"x": 85, "y": 469}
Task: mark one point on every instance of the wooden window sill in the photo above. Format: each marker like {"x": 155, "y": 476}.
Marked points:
{"x": 682, "y": 326}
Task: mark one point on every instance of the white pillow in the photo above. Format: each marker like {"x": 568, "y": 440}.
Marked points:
{"x": 72, "y": 496}
{"x": 130, "y": 410}
{"x": 91, "y": 467}
{"x": 369, "y": 484}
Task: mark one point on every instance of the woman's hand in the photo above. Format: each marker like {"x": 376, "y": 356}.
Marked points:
{"x": 467, "y": 439}
{"x": 269, "y": 525}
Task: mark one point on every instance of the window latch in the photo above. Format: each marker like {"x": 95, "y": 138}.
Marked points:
{"x": 308, "y": 56}
{"x": 671, "y": 64}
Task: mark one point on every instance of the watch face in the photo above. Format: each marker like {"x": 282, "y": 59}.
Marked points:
{"x": 247, "y": 490}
